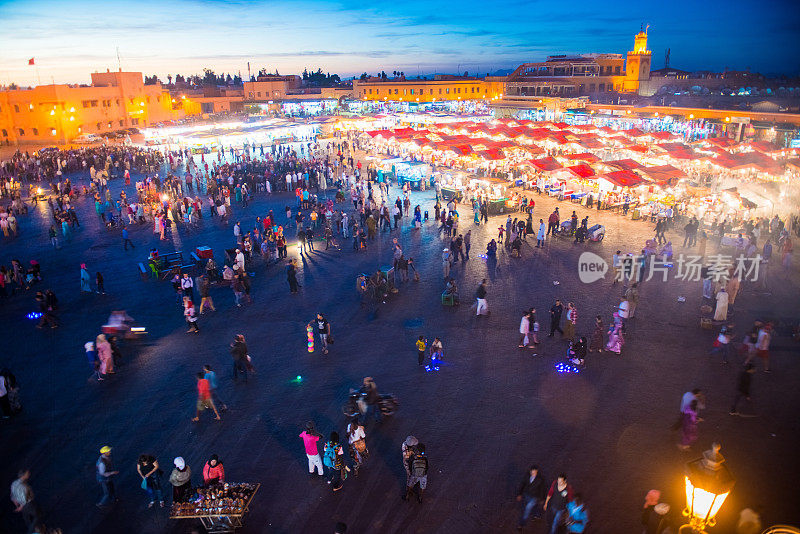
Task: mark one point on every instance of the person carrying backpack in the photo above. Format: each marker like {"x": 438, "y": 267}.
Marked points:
{"x": 418, "y": 472}
{"x": 333, "y": 458}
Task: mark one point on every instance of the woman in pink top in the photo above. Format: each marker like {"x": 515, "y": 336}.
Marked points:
{"x": 310, "y": 438}
{"x": 104, "y": 355}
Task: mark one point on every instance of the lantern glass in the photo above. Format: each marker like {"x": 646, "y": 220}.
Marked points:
{"x": 701, "y": 503}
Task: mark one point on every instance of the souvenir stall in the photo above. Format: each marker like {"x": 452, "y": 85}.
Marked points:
{"x": 618, "y": 187}
{"x": 465, "y": 187}
{"x": 658, "y": 196}
{"x": 414, "y": 173}
{"x": 220, "y": 508}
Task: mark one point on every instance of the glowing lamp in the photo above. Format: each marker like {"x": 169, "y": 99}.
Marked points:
{"x": 164, "y": 197}
{"x": 708, "y": 483}
{"x": 691, "y": 115}
{"x": 34, "y": 315}
{"x": 53, "y": 112}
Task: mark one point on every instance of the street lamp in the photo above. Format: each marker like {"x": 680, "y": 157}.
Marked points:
{"x": 708, "y": 483}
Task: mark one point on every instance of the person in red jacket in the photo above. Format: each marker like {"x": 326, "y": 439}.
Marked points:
{"x": 552, "y": 222}
{"x": 558, "y": 496}
{"x": 213, "y": 472}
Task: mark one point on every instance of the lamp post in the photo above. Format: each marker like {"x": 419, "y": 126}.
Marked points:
{"x": 708, "y": 483}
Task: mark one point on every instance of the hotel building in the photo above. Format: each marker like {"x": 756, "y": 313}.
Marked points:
{"x": 59, "y": 113}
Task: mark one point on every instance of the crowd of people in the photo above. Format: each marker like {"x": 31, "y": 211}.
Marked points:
{"x": 179, "y": 197}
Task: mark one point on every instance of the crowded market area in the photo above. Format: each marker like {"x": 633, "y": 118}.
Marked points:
{"x": 204, "y": 270}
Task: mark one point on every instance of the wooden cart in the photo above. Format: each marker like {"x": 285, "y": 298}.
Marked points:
{"x": 222, "y": 523}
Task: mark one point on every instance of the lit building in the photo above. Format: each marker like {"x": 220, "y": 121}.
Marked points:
{"x": 60, "y": 113}
{"x": 271, "y": 87}
{"x": 585, "y": 74}
{"x": 438, "y": 88}
{"x": 637, "y": 68}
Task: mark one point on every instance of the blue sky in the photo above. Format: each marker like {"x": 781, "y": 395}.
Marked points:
{"x": 71, "y": 38}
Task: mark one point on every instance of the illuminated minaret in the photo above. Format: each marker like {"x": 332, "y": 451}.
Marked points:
{"x": 637, "y": 65}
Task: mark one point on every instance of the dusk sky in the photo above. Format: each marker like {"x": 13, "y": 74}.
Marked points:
{"x": 70, "y": 39}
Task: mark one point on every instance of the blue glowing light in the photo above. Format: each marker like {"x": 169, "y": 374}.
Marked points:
{"x": 434, "y": 365}
{"x": 34, "y": 315}
{"x": 567, "y": 368}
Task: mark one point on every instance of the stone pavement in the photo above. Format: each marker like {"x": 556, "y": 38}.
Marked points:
{"x": 488, "y": 413}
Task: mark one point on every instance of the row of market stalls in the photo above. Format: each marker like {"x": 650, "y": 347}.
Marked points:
{"x": 239, "y": 134}
{"x": 647, "y": 171}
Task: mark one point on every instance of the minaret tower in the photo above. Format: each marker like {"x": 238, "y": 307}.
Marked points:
{"x": 637, "y": 65}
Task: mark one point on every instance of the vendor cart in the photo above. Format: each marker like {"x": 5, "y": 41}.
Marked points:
{"x": 498, "y": 206}
{"x": 596, "y": 232}
{"x": 218, "y": 520}
{"x": 449, "y": 193}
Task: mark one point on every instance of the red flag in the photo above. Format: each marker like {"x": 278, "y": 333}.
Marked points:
{"x": 30, "y": 61}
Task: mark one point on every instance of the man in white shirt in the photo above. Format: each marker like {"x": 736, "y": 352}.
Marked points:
{"x": 22, "y": 497}
{"x": 187, "y": 285}
{"x": 762, "y": 345}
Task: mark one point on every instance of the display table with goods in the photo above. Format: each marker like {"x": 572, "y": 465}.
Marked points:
{"x": 220, "y": 508}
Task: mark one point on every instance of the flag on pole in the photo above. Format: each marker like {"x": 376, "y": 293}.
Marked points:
{"x": 30, "y": 61}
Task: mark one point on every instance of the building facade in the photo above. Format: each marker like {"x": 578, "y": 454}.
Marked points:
{"x": 585, "y": 74}
{"x": 271, "y": 87}
{"x": 427, "y": 90}
{"x": 59, "y": 113}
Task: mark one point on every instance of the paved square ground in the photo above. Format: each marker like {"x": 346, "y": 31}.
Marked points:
{"x": 489, "y": 412}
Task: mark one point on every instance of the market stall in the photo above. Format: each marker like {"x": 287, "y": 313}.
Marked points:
{"x": 220, "y": 508}
{"x": 414, "y": 173}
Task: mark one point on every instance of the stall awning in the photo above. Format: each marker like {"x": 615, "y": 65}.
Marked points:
{"x": 532, "y": 149}
{"x": 581, "y": 171}
{"x": 634, "y": 132}
{"x": 588, "y": 157}
{"x": 623, "y": 178}
{"x": 795, "y": 163}
{"x": 761, "y": 162}
{"x": 764, "y": 147}
{"x": 663, "y": 136}
{"x": 386, "y": 134}
{"x": 663, "y": 174}
{"x": 546, "y": 164}
{"x": 722, "y": 142}
{"x": 461, "y": 150}
{"x": 625, "y": 164}
{"x": 728, "y": 161}
{"x": 637, "y": 148}
{"x": 493, "y": 154}
{"x": 590, "y": 143}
